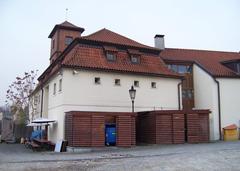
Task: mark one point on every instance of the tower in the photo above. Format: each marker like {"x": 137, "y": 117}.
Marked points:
{"x": 61, "y": 36}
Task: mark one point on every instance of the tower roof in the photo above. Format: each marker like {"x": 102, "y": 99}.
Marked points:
{"x": 66, "y": 26}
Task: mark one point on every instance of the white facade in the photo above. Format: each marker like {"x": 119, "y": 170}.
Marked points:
{"x": 206, "y": 97}
{"x": 230, "y": 101}
{"x": 80, "y": 93}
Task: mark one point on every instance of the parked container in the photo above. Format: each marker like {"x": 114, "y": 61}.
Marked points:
{"x": 230, "y": 133}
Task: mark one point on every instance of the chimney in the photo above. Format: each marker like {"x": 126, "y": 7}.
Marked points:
{"x": 159, "y": 41}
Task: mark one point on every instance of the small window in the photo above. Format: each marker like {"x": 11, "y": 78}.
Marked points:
{"x": 60, "y": 85}
{"x": 54, "y": 88}
{"x": 53, "y": 43}
{"x": 135, "y": 59}
{"x": 136, "y": 83}
{"x": 154, "y": 85}
{"x": 97, "y": 80}
{"x": 68, "y": 40}
{"x": 117, "y": 82}
{"x": 111, "y": 56}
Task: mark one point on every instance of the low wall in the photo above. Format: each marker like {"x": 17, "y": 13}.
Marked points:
{"x": 173, "y": 126}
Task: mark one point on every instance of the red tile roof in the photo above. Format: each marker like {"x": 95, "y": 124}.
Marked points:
{"x": 93, "y": 58}
{"x": 209, "y": 60}
{"x": 105, "y": 35}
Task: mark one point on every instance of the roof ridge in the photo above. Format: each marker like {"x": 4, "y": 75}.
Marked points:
{"x": 202, "y": 50}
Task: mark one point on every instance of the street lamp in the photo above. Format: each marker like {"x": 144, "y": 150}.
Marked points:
{"x": 132, "y": 93}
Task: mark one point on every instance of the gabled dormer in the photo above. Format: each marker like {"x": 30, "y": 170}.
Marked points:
{"x": 61, "y": 36}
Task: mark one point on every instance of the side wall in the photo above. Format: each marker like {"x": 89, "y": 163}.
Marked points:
{"x": 206, "y": 97}
{"x": 230, "y": 101}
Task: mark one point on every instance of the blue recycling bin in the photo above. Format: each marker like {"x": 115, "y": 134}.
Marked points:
{"x": 110, "y": 132}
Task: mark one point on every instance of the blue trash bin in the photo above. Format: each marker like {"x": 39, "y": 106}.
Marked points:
{"x": 110, "y": 132}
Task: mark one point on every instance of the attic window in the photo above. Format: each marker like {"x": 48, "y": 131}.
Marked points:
{"x": 135, "y": 59}
{"x": 68, "y": 40}
{"x": 111, "y": 56}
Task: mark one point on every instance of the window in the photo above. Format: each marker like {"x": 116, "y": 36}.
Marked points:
{"x": 97, "y": 80}
{"x": 111, "y": 56}
{"x": 181, "y": 69}
{"x": 117, "y": 82}
{"x": 153, "y": 84}
{"x": 54, "y": 88}
{"x": 136, "y": 83}
{"x": 60, "y": 85}
{"x": 53, "y": 43}
{"x": 135, "y": 59}
{"x": 68, "y": 40}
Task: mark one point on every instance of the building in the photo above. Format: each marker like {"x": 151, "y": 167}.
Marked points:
{"x": 212, "y": 81}
{"x": 90, "y": 76}
{"x": 94, "y": 73}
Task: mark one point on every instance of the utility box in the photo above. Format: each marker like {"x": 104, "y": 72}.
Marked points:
{"x": 230, "y": 133}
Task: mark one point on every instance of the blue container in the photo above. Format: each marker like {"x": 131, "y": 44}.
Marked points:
{"x": 110, "y": 132}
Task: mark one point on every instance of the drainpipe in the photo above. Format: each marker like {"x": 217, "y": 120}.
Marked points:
{"x": 219, "y": 110}
{"x": 41, "y": 103}
{"x": 179, "y": 100}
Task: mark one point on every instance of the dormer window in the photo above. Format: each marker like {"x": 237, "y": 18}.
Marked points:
{"x": 135, "y": 59}
{"x": 111, "y": 56}
{"x": 68, "y": 40}
{"x": 235, "y": 66}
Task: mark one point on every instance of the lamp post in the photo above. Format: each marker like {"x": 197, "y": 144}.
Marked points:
{"x": 132, "y": 93}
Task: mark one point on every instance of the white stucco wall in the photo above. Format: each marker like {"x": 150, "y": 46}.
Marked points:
{"x": 79, "y": 92}
{"x": 230, "y": 101}
{"x": 206, "y": 97}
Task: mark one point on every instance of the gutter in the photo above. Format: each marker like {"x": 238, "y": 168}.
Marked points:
{"x": 219, "y": 109}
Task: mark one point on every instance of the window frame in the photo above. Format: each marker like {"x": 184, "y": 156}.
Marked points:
{"x": 97, "y": 80}
{"x": 136, "y": 83}
{"x": 135, "y": 57}
{"x": 54, "y": 88}
{"x": 68, "y": 40}
{"x": 60, "y": 85}
{"x": 112, "y": 54}
{"x": 153, "y": 84}
{"x": 117, "y": 82}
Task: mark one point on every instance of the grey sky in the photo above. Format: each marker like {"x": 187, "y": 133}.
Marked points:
{"x": 26, "y": 24}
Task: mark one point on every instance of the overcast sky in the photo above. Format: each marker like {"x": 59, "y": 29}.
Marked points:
{"x": 26, "y": 24}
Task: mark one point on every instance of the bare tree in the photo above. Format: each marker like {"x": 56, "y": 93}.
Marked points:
{"x": 18, "y": 94}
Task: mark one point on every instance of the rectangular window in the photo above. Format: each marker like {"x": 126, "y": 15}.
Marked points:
{"x": 135, "y": 59}
{"x": 68, "y": 40}
{"x": 54, "y": 88}
{"x": 154, "y": 85}
{"x": 136, "y": 83}
{"x": 97, "y": 80}
{"x": 60, "y": 85}
{"x": 111, "y": 56}
{"x": 238, "y": 67}
{"x": 53, "y": 43}
{"x": 117, "y": 82}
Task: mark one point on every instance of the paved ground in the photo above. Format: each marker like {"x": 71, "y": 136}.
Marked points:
{"x": 212, "y": 156}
